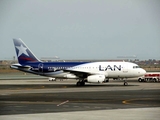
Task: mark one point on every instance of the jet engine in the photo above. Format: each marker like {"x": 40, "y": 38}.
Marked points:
{"x": 96, "y": 78}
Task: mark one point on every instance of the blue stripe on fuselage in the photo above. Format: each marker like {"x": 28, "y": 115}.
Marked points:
{"x": 56, "y": 64}
{"x": 63, "y": 64}
{"x": 52, "y": 66}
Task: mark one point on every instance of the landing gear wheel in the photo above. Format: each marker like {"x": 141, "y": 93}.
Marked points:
{"x": 125, "y": 83}
{"x": 106, "y": 80}
{"x": 78, "y": 83}
{"x": 82, "y": 83}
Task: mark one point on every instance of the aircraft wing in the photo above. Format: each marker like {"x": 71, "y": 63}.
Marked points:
{"x": 80, "y": 73}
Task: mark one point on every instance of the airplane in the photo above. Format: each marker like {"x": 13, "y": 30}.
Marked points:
{"x": 92, "y": 72}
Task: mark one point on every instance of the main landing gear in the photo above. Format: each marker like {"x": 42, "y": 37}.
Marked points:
{"x": 81, "y": 83}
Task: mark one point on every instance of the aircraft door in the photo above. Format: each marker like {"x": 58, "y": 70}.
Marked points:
{"x": 40, "y": 67}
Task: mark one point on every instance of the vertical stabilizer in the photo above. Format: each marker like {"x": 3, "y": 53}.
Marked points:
{"x": 24, "y": 54}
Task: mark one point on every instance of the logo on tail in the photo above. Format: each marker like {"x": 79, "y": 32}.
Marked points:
{"x": 22, "y": 50}
{"x": 24, "y": 54}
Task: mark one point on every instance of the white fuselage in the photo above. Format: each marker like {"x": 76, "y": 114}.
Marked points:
{"x": 109, "y": 69}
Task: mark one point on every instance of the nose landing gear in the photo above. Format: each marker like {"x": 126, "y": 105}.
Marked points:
{"x": 125, "y": 82}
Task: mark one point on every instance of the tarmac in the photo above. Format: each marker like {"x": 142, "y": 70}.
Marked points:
{"x": 118, "y": 114}
{"x": 39, "y": 99}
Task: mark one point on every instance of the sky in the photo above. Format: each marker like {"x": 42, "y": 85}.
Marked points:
{"x": 82, "y": 29}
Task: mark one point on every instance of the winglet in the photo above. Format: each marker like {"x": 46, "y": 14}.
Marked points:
{"x": 24, "y": 54}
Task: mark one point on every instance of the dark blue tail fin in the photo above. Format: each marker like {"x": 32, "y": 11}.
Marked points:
{"x": 24, "y": 54}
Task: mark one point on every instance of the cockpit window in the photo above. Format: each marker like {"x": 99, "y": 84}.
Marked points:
{"x": 136, "y": 67}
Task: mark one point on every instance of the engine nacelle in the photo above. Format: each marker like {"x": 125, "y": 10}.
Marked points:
{"x": 96, "y": 78}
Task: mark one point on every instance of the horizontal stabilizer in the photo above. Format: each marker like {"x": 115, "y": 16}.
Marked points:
{"x": 19, "y": 66}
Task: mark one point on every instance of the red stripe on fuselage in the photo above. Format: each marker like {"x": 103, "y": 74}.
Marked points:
{"x": 26, "y": 58}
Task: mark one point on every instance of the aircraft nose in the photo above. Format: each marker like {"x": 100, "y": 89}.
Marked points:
{"x": 142, "y": 72}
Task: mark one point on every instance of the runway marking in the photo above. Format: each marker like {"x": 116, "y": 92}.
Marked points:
{"x": 63, "y": 102}
{"x": 131, "y": 101}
